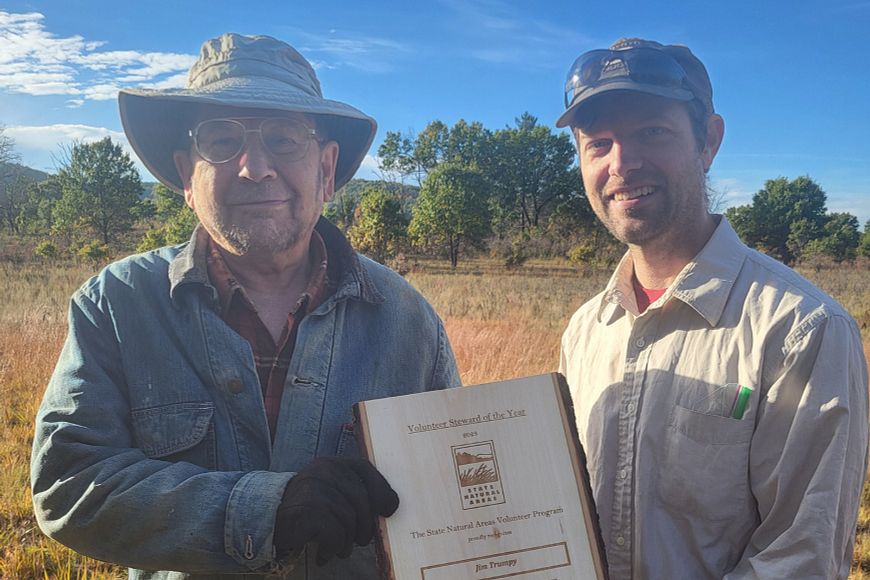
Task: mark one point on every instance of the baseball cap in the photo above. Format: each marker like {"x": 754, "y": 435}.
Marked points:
{"x": 635, "y": 64}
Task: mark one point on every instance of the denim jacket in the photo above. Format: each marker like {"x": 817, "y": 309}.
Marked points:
{"x": 152, "y": 448}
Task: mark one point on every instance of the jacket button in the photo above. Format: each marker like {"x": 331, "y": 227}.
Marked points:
{"x": 235, "y": 386}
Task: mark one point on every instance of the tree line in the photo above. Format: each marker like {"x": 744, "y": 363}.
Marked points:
{"x": 514, "y": 192}
{"x": 447, "y": 191}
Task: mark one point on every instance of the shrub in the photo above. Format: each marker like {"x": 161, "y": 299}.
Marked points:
{"x": 93, "y": 251}
{"x": 152, "y": 240}
{"x": 46, "y": 249}
{"x": 399, "y": 264}
{"x": 581, "y": 254}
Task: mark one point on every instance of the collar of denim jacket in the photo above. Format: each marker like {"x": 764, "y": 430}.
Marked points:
{"x": 346, "y": 272}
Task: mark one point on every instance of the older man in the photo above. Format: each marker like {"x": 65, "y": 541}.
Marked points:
{"x": 720, "y": 397}
{"x": 199, "y": 419}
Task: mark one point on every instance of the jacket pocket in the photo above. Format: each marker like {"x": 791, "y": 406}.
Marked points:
{"x": 177, "y": 432}
{"x": 347, "y": 442}
{"x": 704, "y": 468}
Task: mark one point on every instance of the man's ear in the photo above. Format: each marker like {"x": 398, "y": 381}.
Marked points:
{"x": 715, "y": 134}
{"x": 328, "y": 161}
{"x": 184, "y": 167}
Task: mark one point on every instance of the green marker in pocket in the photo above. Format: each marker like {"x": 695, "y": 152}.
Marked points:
{"x": 741, "y": 399}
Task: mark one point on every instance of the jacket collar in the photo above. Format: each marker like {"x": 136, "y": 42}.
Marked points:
{"x": 704, "y": 284}
{"x": 345, "y": 270}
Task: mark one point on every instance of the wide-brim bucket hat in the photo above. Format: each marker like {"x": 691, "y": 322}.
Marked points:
{"x": 252, "y": 72}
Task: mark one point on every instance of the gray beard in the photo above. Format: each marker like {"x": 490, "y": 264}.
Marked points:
{"x": 242, "y": 241}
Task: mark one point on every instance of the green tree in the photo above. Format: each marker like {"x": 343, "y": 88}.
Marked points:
{"x": 429, "y": 148}
{"x": 575, "y": 232}
{"x": 341, "y": 208}
{"x": 802, "y": 233}
{"x": 396, "y": 154}
{"x": 840, "y": 240}
{"x": 743, "y": 218}
{"x": 783, "y": 217}
{"x": 864, "y": 244}
{"x": 530, "y": 168}
{"x": 452, "y": 212}
{"x": 13, "y": 200}
{"x": 37, "y": 214}
{"x": 469, "y": 144}
{"x": 8, "y": 156}
{"x": 100, "y": 190}
{"x": 10, "y": 185}
{"x": 532, "y": 171}
{"x": 380, "y": 226}
{"x": 176, "y": 219}
{"x": 410, "y": 155}
{"x": 167, "y": 203}
{"x": 416, "y": 155}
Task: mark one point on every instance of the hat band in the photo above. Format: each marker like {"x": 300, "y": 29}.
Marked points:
{"x": 245, "y": 67}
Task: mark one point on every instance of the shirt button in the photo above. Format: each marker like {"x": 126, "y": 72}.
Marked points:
{"x": 630, "y": 407}
{"x": 620, "y": 541}
{"x": 640, "y": 342}
{"x": 622, "y": 474}
{"x": 235, "y": 386}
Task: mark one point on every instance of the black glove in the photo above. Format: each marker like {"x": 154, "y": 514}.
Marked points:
{"x": 333, "y": 503}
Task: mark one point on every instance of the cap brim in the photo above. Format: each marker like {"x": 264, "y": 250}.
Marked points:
{"x": 624, "y": 85}
{"x": 156, "y": 122}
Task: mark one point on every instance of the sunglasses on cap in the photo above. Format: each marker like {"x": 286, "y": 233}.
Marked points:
{"x": 221, "y": 140}
{"x": 641, "y": 65}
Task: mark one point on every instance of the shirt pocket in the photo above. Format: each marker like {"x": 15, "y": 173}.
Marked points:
{"x": 177, "y": 432}
{"x": 705, "y": 464}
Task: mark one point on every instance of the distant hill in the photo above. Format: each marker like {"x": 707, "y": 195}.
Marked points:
{"x": 148, "y": 189}
{"x": 11, "y": 171}
{"x": 16, "y": 169}
{"x": 354, "y": 188}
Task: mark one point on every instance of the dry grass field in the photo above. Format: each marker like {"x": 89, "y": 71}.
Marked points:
{"x": 501, "y": 324}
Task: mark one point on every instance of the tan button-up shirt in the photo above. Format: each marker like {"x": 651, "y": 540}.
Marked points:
{"x": 683, "y": 488}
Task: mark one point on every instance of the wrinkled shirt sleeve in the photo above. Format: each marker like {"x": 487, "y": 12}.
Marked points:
{"x": 809, "y": 454}
{"x": 87, "y": 474}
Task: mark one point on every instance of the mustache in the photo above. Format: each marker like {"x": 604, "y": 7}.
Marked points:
{"x": 256, "y": 193}
{"x": 619, "y": 184}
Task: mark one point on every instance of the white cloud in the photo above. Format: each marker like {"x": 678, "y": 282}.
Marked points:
{"x": 43, "y": 147}
{"x": 101, "y": 92}
{"x": 35, "y": 61}
{"x": 336, "y": 50}
{"x": 369, "y": 168}
{"x": 500, "y": 33}
{"x": 173, "y": 82}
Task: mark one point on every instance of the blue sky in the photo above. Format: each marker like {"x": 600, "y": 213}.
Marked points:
{"x": 791, "y": 78}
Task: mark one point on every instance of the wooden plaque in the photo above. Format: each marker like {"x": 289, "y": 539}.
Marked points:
{"x": 491, "y": 480}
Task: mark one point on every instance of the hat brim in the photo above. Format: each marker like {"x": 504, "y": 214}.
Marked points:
{"x": 156, "y": 122}
{"x": 623, "y": 85}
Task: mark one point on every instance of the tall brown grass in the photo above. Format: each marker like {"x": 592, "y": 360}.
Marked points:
{"x": 501, "y": 324}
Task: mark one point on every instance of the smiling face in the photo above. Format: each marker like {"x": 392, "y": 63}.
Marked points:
{"x": 642, "y": 167}
{"x": 258, "y": 202}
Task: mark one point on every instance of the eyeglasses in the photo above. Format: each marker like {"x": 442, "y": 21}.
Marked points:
{"x": 642, "y": 65}
{"x": 221, "y": 140}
